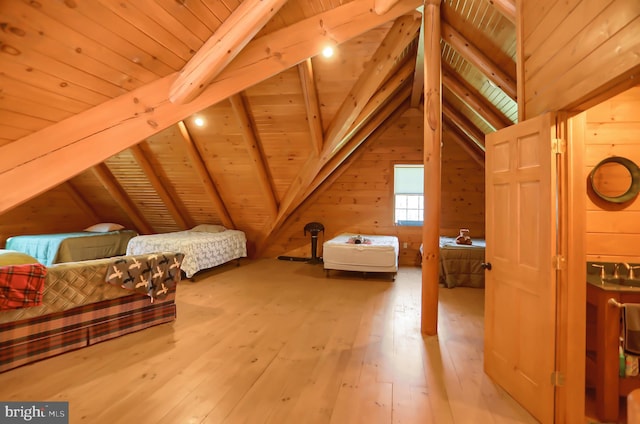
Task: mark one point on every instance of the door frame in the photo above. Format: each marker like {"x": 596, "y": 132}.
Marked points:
{"x": 572, "y": 278}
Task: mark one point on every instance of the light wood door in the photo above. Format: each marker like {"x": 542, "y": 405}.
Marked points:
{"x": 520, "y": 295}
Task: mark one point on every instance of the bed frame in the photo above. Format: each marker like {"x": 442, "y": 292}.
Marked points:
{"x": 79, "y": 309}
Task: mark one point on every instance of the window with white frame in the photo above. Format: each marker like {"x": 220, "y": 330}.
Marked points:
{"x": 408, "y": 190}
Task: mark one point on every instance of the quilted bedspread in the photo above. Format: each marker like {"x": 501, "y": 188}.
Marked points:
{"x": 201, "y": 250}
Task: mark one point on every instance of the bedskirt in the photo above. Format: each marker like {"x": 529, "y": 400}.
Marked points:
{"x": 33, "y": 339}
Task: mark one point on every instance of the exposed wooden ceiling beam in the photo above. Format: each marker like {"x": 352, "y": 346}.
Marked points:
{"x": 399, "y": 76}
{"x": 450, "y": 133}
{"x": 476, "y": 101}
{"x": 506, "y": 7}
{"x": 464, "y": 125}
{"x": 241, "y": 110}
{"x": 312, "y": 103}
{"x": 377, "y": 68}
{"x": 478, "y": 59}
{"x": 376, "y": 126}
{"x": 230, "y": 38}
{"x": 375, "y": 72}
{"x": 418, "y": 74}
{"x": 388, "y": 112}
{"x": 357, "y": 146}
{"x": 82, "y": 203}
{"x": 141, "y": 153}
{"x": 92, "y": 136}
{"x": 205, "y": 177}
{"x": 109, "y": 181}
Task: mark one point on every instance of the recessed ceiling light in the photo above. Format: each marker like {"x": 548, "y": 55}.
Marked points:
{"x": 327, "y": 51}
{"x": 199, "y": 122}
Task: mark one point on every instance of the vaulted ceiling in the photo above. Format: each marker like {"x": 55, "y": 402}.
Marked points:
{"x": 99, "y": 98}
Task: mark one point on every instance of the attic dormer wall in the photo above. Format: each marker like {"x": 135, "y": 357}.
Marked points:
{"x": 361, "y": 199}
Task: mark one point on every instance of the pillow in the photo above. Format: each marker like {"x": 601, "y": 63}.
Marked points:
{"x": 13, "y": 257}
{"x": 208, "y": 228}
{"x": 104, "y": 227}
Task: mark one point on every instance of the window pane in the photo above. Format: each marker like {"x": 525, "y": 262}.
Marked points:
{"x": 413, "y": 215}
{"x": 401, "y": 201}
{"x": 409, "y": 198}
{"x": 413, "y": 202}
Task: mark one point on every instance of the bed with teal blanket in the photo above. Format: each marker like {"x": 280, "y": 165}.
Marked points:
{"x": 51, "y": 249}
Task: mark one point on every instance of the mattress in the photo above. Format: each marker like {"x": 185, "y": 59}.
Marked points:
{"x": 202, "y": 250}
{"x": 376, "y": 253}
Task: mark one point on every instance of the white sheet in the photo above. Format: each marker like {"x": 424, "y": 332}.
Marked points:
{"x": 379, "y": 256}
{"x": 201, "y": 250}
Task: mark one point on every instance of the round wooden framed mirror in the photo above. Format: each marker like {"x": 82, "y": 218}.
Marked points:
{"x": 615, "y": 179}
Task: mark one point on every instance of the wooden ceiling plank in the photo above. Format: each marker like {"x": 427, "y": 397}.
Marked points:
{"x": 374, "y": 126}
{"x": 383, "y": 95}
{"x": 249, "y": 133}
{"x": 506, "y": 7}
{"x": 376, "y": 71}
{"x": 223, "y": 46}
{"x": 92, "y": 136}
{"x": 47, "y": 99}
{"x": 378, "y": 67}
{"x": 463, "y": 124}
{"x": 140, "y": 154}
{"x": 474, "y": 56}
{"x": 205, "y": 177}
{"x": 81, "y": 202}
{"x": 472, "y": 98}
{"x": 53, "y": 37}
{"x": 103, "y": 39}
{"x": 465, "y": 142}
{"x": 312, "y": 103}
{"x": 109, "y": 181}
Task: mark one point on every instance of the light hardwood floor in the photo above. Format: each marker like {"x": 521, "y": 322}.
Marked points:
{"x": 278, "y": 342}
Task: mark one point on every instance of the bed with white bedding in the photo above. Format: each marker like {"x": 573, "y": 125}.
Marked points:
{"x": 363, "y": 253}
{"x": 204, "y": 246}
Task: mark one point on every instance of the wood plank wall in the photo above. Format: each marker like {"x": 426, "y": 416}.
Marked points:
{"x": 55, "y": 211}
{"x": 598, "y": 52}
{"x": 361, "y": 199}
{"x": 613, "y": 128}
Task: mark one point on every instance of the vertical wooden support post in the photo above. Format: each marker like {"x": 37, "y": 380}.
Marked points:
{"x": 432, "y": 178}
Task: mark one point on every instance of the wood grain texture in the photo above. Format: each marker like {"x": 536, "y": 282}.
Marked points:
{"x": 277, "y": 342}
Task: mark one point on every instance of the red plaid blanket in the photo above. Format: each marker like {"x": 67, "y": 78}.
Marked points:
{"x": 21, "y": 286}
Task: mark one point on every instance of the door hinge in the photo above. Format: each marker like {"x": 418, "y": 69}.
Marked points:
{"x": 558, "y": 262}
{"x": 557, "y": 378}
{"x": 558, "y": 146}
